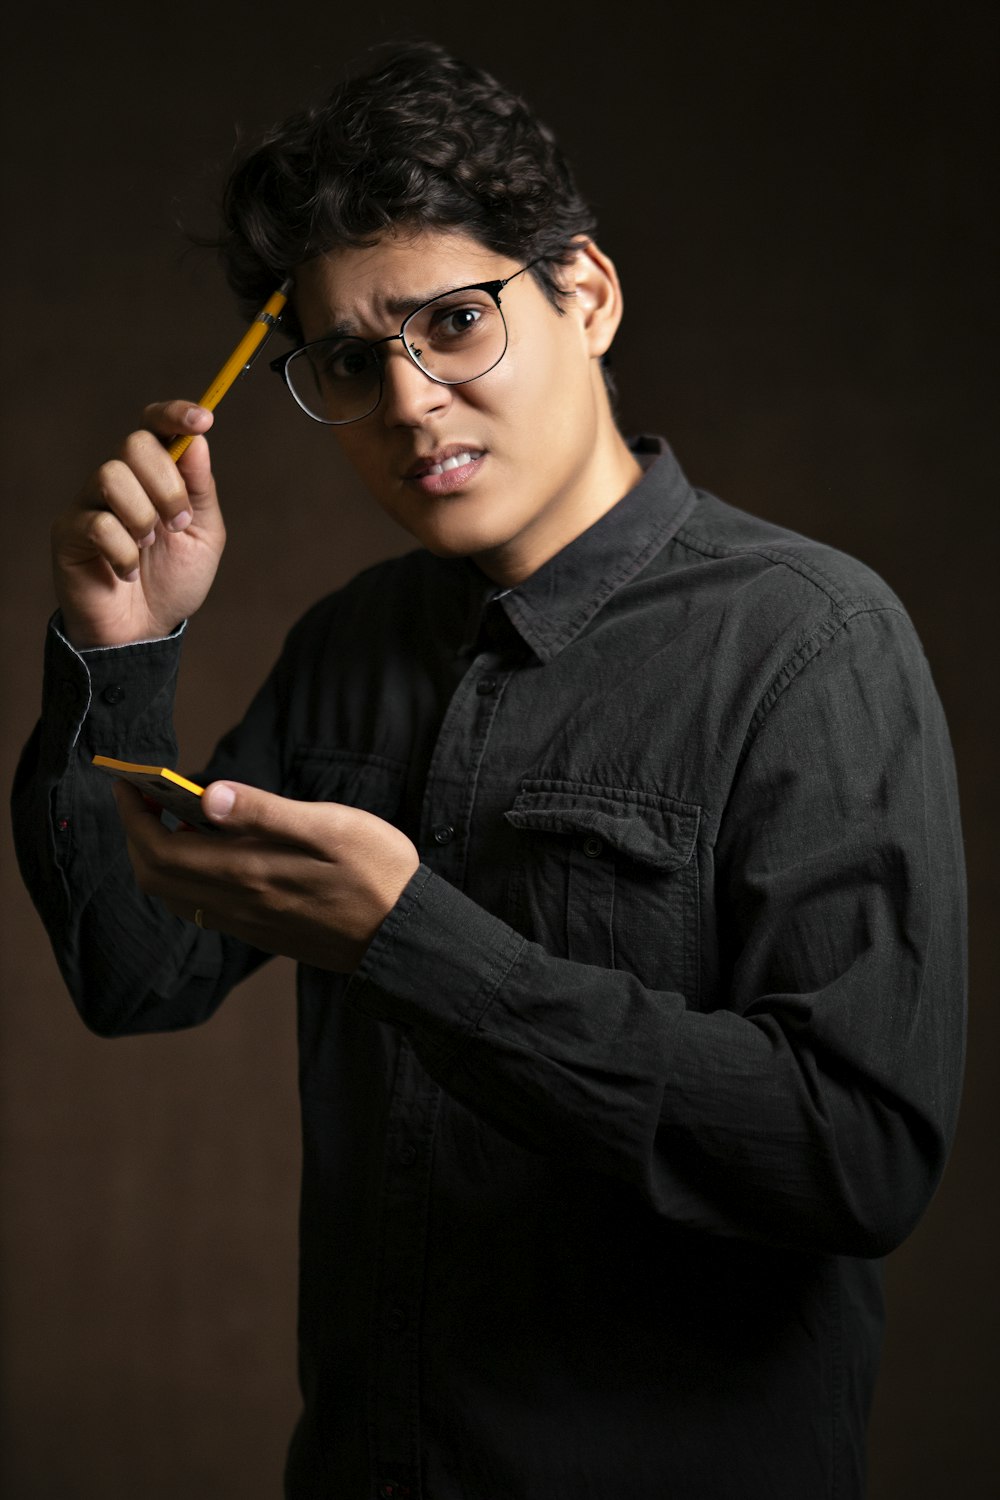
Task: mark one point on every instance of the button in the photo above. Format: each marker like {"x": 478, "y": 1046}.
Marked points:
{"x": 444, "y": 833}
{"x": 593, "y": 846}
{"x": 396, "y": 1319}
{"x": 485, "y": 686}
{"x": 114, "y": 693}
{"x": 407, "y": 1154}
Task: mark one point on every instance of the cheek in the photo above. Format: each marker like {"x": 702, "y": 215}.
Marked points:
{"x": 519, "y": 395}
{"x": 545, "y": 373}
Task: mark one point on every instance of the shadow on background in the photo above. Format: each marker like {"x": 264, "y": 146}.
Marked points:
{"x": 797, "y": 205}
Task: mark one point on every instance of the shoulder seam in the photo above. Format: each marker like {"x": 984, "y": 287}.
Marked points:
{"x": 807, "y": 650}
{"x": 786, "y": 558}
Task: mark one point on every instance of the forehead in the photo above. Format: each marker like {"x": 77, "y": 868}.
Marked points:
{"x": 369, "y": 289}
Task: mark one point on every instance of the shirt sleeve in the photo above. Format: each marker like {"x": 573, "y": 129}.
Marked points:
{"x": 129, "y": 965}
{"x": 814, "y": 1106}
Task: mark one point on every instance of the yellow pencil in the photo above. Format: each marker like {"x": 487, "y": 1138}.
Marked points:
{"x": 241, "y": 358}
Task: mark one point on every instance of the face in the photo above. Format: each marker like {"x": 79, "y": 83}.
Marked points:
{"x": 539, "y": 456}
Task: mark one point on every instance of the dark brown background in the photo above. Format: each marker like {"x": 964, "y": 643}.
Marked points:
{"x": 797, "y": 205}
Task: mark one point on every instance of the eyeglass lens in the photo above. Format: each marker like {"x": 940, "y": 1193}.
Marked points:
{"x": 455, "y": 338}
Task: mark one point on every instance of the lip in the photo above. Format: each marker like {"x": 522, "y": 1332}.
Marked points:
{"x": 451, "y": 479}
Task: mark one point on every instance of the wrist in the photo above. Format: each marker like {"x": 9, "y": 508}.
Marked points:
{"x": 85, "y": 634}
{"x": 82, "y": 637}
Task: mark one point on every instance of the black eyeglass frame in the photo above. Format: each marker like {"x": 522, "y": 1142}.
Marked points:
{"x": 492, "y": 290}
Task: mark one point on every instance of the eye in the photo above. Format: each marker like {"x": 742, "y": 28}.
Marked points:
{"x": 346, "y": 359}
{"x": 455, "y": 322}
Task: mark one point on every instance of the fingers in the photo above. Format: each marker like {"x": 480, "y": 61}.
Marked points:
{"x": 124, "y": 502}
{"x": 167, "y": 864}
{"x": 128, "y": 498}
{"x": 311, "y": 880}
{"x": 372, "y": 854}
{"x": 170, "y": 419}
{"x": 157, "y": 476}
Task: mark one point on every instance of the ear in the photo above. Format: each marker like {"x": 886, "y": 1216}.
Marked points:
{"x": 592, "y": 281}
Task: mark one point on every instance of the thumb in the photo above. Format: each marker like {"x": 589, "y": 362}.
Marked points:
{"x": 246, "y": 809}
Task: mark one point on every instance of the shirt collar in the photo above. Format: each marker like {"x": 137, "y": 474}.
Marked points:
{"x": 551, "y": 608}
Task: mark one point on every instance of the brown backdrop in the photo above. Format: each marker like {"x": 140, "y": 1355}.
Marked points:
{"x": 797, "y": 207}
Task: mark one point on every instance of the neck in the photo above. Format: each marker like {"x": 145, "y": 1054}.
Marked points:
{"x": 607, "y": 473}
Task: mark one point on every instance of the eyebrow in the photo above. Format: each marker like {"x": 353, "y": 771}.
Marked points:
{"x": 398, "y": 307}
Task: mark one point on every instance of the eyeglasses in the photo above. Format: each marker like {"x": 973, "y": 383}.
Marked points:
{"x": 454, "y": 338}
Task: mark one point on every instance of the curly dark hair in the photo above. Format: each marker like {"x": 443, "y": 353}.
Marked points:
{"x": 422, "y": 140}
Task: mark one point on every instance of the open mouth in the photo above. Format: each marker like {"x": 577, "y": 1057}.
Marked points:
{"x": 452, "y": 458}
{"x": 455, "y": 461}
{"x": 447, "y": 472}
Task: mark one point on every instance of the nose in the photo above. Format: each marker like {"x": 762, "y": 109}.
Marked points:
{"x": 408, "y": 395}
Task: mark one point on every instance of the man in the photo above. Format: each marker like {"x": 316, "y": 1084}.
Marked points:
{"x": 614, "y": 830}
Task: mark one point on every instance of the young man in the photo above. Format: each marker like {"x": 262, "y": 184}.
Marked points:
{"x": 615, "y": 832}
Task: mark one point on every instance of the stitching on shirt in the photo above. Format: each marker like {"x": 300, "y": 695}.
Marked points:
{"x": 328, "y": 755}
{"x": 488, "y": 991}
{"x": 497, "y": 971}
{"x": 86, "y": 651}
{"x": 810, "y": 648}
{"x": 658, "y": 801}
{"x": 551, "y": 637}
{"x": 406, "y": 904}
{"x": 789, "y": 559}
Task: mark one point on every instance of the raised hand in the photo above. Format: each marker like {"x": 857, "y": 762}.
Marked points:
{"x": 137, "y": 552}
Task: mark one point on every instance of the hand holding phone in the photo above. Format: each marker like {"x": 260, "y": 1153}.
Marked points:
{"x": 169, "y": 790}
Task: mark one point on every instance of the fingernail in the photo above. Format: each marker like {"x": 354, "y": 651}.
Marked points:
{"x": 218, "y": 800}
{"x": 130, "y": 577}
{"x": 181, "y": 521}
{"x": 148, "y": 539}
{"x": 195, "y": 416}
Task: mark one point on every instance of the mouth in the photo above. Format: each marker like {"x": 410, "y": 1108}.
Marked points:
{"x": 443, "y": 461}
{"x": 446, "y": 470}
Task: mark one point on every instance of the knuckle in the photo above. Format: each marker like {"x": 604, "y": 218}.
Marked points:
{"x": 144, "y": 456}
{"x": 136, "y": 446}
{"x": 255, "y": 876}
{"x": 107, "y": 480}
{"x": 104, "y": 529}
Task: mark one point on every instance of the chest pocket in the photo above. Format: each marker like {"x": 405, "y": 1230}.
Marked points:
{"x": 609, "y": 877}
{"x": 370, "y": 782}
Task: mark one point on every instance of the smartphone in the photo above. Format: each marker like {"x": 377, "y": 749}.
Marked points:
{"x": 173, "y": 793}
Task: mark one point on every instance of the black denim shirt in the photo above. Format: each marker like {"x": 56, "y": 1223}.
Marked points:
{"x": 659, "y": 1051}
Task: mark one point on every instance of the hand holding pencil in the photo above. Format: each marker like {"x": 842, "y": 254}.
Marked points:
{"x": 138, "y": 550}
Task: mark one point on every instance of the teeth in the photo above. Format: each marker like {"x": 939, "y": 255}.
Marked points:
{"x": 451, "y": 463}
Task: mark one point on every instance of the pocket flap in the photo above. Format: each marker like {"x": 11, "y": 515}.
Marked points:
{"x": 655, "y": 831}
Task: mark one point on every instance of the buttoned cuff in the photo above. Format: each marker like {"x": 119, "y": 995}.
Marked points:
{"x": 123, "y": 694}
{"x": 436, "y": 964}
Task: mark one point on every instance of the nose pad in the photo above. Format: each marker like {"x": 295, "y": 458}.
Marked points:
{"x": 408, "y": 395}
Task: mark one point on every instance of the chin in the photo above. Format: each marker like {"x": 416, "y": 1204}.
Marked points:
{"x": 457, "y": 539}
{"x": 458, "y": 546}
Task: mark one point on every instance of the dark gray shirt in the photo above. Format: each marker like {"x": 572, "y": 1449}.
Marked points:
{"x": 659, "y": 1051}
